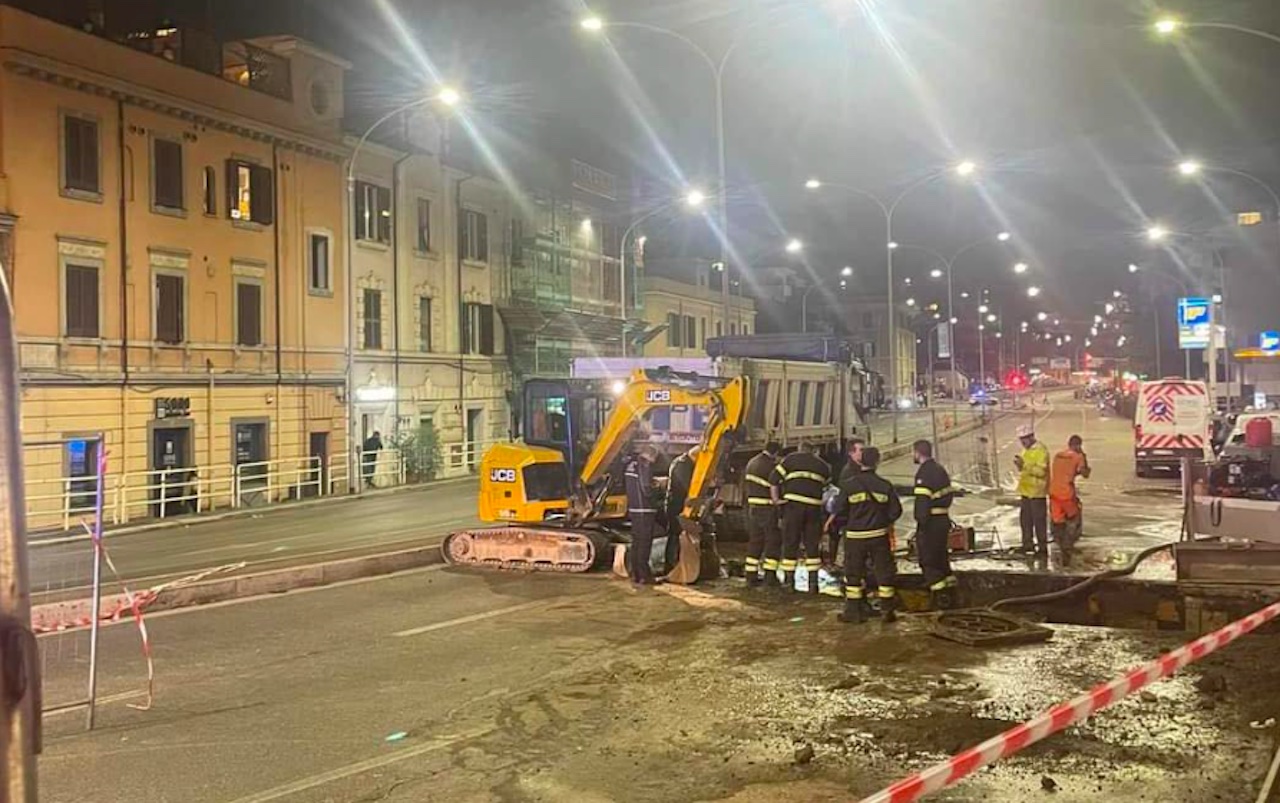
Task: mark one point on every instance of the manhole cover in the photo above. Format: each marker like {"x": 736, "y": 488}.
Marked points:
{"x": 981, "y": 628}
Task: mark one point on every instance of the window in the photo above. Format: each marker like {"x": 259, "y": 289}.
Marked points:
{"x": 690, "y": 331}
{"x": 424, "y": 225}
{"x": 478, "y": 335}
{"x": 81, "y": 169}
{"x": 248, "y": 313}
{"x": 373, "y": 213}
{"x": 474, "y": 236}
{"x": 1248, "y": 218}
{"x": 719, "y": 329}
{"x": 745, "y": 330}
{"x": 81, "y": 285}
{"x": 170, "y": 300}
{"x": 372, "y": 319}
{"x": 802, "y": 404}
{"x": 166, "y": 175}
{"x": 733, "y": 329}
{"x": 318, "y": 276}
{"x": 424, "y": 323}
{"x": 702, "y": 332}
{"x": 250, "y": 192}
{"x": 674, "y": 338}
{"x": 209, "y": 190}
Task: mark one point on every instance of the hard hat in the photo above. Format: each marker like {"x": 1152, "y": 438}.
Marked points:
{"x": 1026, "y": 431}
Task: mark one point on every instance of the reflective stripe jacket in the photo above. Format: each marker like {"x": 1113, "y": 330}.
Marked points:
{"x": 761, "y": 479}
{"x": 639, "y": 480}
{"x": 802, "y": 476}
{"x": 1033, "y": 481}
{"x": 933, "y": 491}
{"x": 870, "y": 503}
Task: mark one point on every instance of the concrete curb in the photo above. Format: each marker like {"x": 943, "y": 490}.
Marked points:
{"x": 223, "y": 515}
{"x": 275, "y": 581}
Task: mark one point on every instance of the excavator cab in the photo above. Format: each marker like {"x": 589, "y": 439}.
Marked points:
{"x": 534, "y": 479}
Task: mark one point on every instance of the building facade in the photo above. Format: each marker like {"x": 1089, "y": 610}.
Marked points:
{"x": 171, "y": 227}
{"x": 429, "y": 260}
{"x": 681, "y": 308}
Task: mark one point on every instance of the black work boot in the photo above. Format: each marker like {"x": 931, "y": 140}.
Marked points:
{"x": 753, "y": 580}
{"x": 770, "y": 580}
{"x": 815, "y": 582}
{"x": 854, "y": 613}
{"x": 789, "y": 582}
{"x": 888, "y": 610}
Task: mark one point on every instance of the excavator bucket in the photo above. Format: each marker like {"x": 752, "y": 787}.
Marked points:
{"x": 699, "y": 559}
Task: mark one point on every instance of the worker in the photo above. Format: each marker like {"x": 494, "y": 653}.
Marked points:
{"x": 679, "y": 478}
{"x": 835, "y": 524}
{"x": 1033, "y": 488}
{"x": 802, "y": 476}
{"x": 870, "y": 506}
{"x": 933, "y": 495}
{"x": 1065, "y": 510}
{"x": 764, "y": 540}
{"x": 640, "y": 510}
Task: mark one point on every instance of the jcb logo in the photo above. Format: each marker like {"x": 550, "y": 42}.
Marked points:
{"x": 657, "y": 396}
{"x": 502, "y": 475}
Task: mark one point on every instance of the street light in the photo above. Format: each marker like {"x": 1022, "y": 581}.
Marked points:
{"x": 1167, "y": 25}
{"x": 991, "y": 318}
{"x": 1032, "y": 292}
{"x": 911, "y": 302}
{"x": 1003, "y": 236}
{"x": 449, "y": 96}
{"x": 1157, "y": 233}
{"x": 1020, "y": 267}
{"x": 812, "y": 184}
{"x": 983, "y": 309}
{"x": 695, "y": 198}
{"x": 592, "y": 24}
{"x": 1042, "y": 316}
{"x": 1133, "y": 268}
{"x": 966, "y": 168}
{"x": 936, "y": 273}
{"x": 893, "y": 246}
{"x": 1189, "y": 167}
{"x": 794, "y": 246}
{"x": 846, "y": 271}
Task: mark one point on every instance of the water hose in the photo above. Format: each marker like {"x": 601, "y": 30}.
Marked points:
{"x": 1088, "y": 582}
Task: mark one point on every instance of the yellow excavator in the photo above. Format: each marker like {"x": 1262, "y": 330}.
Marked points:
{"x": 558, "y": 492}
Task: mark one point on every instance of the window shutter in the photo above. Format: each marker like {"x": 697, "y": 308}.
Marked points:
{"x": 486, "y": 329}
{"x": 468, "y": 310}
{"x": 169, "y": 309}
{"x": 249, "y": 312}
{"x": 233, "y": 183}
{"x": 262, "y": 198}
{"x": 482, "y": 235}
{"x": 168, "y": 174}
{"x": 82, "y": 301}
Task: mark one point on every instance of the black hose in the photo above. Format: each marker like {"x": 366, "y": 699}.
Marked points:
{"x": 1092, "y": 580}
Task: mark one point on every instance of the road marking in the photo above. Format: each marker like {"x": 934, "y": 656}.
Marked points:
{"x": 475, "y": 617}
{"x": 311, "y": 782}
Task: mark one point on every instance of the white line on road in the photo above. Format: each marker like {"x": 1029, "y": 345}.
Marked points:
{"x": 475, "y": 617}
{"x": 359, "y": 767}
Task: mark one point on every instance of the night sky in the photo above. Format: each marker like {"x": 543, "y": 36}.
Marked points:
{"x": 1074, "y": 110}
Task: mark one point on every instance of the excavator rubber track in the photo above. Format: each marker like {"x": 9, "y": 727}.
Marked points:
{"x": 528, "y": 549}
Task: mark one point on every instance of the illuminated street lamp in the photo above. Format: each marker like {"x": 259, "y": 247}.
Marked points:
{"x": 936, "y": 273}
{"x": 1020, "y": 268}
{"x": 1116, "y": 293}
{"x": 794, "y": 246}
{"x": 812, "y": 184}
{"x": 991, "y": 318}
{"x": 983, "y": 309}
{"x": 449, "y": 96}
{"x": 1157, "y": 233}
{"x": 966, "y": 168}
{"x": 1032, "y": 292}
{"x": 846, "y": 271}
{"x": 1189, "y": 168}
{"x": 592, "y": 23}
{"x": 1133, "y": 268}
{"x": 1167, "y": 25}
{"x": 1003, "y": 236}
{"x": 1042, "y": 316}
{"x": 893, "y": 246}
{"x": 911, "y": 302}
{"x": 695, "y": 198}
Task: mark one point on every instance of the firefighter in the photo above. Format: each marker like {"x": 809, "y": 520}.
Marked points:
{"x": 638, "y": 475}
{"x": 802, "y": 476}
{"x": 764, "y": 540}
{"x": 870, "y": 507}
{"x": 933, "y": 496}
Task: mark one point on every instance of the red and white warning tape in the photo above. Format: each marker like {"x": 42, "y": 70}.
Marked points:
{"x": 1066, "y": 714}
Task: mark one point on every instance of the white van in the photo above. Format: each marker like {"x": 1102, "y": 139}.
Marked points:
{"x": 1172, "y": 420}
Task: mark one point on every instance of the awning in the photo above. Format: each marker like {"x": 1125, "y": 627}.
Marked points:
{"x": 561, "y": 324}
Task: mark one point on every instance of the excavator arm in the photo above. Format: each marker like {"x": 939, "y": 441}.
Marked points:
{"x": 649, "y": 390}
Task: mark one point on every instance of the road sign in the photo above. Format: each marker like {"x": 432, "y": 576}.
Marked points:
{"x": 1194, "y": 316}
{"x": 1269, "y": 341}
{"x": 944, "y": 341}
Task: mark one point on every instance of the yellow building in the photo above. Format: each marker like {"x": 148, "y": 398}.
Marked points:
{"x": 215, "y": 361}
{"x": 679, "y": 297}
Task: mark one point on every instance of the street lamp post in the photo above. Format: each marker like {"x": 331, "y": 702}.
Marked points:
{"x": 964, "y": 169}
{"x": 717, "y": 67}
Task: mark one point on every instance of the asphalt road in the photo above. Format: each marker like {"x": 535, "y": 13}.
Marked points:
{"x": 442, "y": 684}
{"x": 274, "y": 537}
